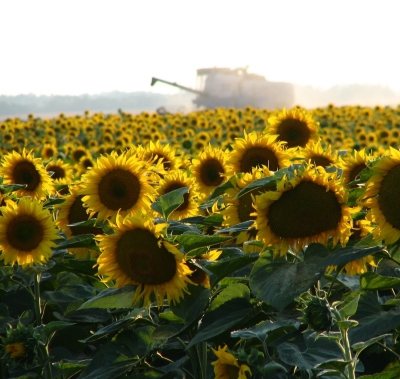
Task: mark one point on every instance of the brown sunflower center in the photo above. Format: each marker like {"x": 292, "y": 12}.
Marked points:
{"x": 295, "y": 132}
{"x": 119, "y": 189}
{"x": 24, "y": 232}
{"x": 388, "y": 199}
{"x": 140, "y": 258}
{"x": 197, "y": 276}
{"x": 304, "y": 211}
{"x": 232, "y": 372}
{"x": 175, "y": 186}
{"x": 78, "y": 154}
{"x": 258, "y": 156}
{"x": 355, "y": 171}
{"x": 211, "y": 171}
{"x": 77, "y": 213}
{"x": 25, "y": 172}
{"x": 319, "y": 160}
{"x": 58, "y": 171}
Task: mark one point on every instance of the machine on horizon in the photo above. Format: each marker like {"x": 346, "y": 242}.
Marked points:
{"x": 225, "y": 87}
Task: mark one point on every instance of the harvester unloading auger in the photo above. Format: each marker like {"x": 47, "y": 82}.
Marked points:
{"x": 224, "y": 87}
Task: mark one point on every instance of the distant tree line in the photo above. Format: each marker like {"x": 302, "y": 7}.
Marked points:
{"x": 135, "y": 102}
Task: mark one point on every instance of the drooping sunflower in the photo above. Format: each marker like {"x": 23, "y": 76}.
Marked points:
{"x": 296, "y": 127}
{"x": 116, "y": 184}
{"x": 381, "y": 196}
{"x": 256, "y": 150}
{"x": 72, "y": 211}
{"x": 227, "y": 366}
{"x": 26, "y": 169}
{"x": 27, "y": 233}
{"x": 199, "y": 276}
{"x": 137, "y": 255}
{"x": 174, "y": 180}
{"x": 210, "y": 169}
{"x": 310, "y": 207}
{"x": 353, "y": 164}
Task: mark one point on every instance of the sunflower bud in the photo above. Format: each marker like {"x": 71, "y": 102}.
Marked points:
{"x": 318, "y": 315}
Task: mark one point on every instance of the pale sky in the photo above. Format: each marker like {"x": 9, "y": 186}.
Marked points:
{"x": 92, "y": 46}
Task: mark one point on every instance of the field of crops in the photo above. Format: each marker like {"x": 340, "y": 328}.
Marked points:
{"x": 227, "y": 244}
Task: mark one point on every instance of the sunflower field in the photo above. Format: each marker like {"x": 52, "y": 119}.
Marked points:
{"x": 226, "y": 243}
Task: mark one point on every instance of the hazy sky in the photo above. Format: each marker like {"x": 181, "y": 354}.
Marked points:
{"x": 92, "y": 46}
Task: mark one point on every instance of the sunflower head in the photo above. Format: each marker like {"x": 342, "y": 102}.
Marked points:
{"x": 317, "y": 313}
{"x": 210, "y": 169}
{"x": 27, "y": 170}
{"x": 137, "y": 254}
{"x": 117, "y": 184}
{"x": 27, "y": 233}
{"x": 227, "y": 366}
{"x": 310, "y": 207}
{"x": 296, "y": 127}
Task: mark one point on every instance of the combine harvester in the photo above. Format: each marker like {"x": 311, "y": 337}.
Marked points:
{"x": 225, "y": 87}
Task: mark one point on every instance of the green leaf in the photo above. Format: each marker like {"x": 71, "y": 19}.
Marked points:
{"x": 192, "y": 306}
{"x": 278, "y": 282}
{"x": 112, "y": 298}
{"x": 375, "y": 325}
{"x": 233, "y": 291}
{"x": 257, "y": 184}
{"x": 362, "y": 345}
{"x": 8, "y": 188}
{"x": 220, "y": 190}
{"x": 346, "y": 255}
{"x": 349, "y": 308}
{"x": 83, "y": 240}
{"x": 309, "y": 359}
{"x": 224, "y": 267}
{"x": 69, "y": 293}
{"x": 243, "y": 226}
{"x": 169, "y": 202}
{"x": 194, "y": 241}
{"x": 115, "y": 327}
{"x": 163, "y": 332}
{"x": 110, "y": 371}
{"x": 50, "y": 328}
{"x": 334, "y": 364}
{"x": 262, "y": 330}
{"x": 69, "y": 368}
{"x": 372, "y": 281}
{"x": 222, "y": 319}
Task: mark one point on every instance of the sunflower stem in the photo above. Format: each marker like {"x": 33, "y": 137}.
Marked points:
{"x": 333, "y": 281}
{"x": 36, "y": 299}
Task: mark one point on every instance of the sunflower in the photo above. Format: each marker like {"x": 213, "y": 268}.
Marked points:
{"x": 319, "y": 155}
{"x": 49, "y": 151}
{"x": 199, "y": 276}
{"x": 210, "y": 169}
{"x": 256, "y": 151}
{"x": 296, "y": 127}
{"x": 178, "y": 179}
{"x": 156, "y": 151}
{"x": 381, "y": 196}
{"x": 310, "y": 207}
{"x": 72, "y": 211}
{"x": 27, "y": 232}
{"x": 137, "y": 255}
{"x": 60, "y": 170}
{"x": 116, "y": 184}
{"x": 25, "y": 169}
{"x": 352, "y": 165}
{"x": 227, "y": 366}
{"x": 241, "y": 209}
